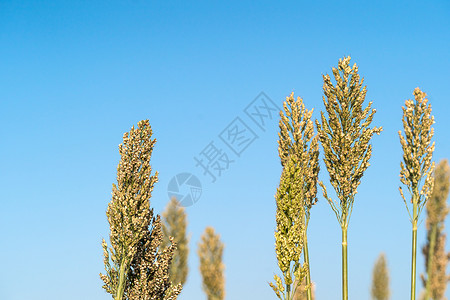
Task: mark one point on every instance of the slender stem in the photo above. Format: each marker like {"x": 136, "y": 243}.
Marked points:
{"x": 414, "y": 252}
{"x": 344, "y": 265}
{"x": 308, "y": 273}
{"x": 121, "y": 287}
{"x": 288, "y": 291}
{"x": 430, "y": 261}
{"x": 413, "y": 264}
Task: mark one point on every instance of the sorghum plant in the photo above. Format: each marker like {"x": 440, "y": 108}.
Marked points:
{"x": 139, "y": 267}
{"x": 210, "y": 251}
{"x": 416, "y": 167}
{"x": 174, "y": 224}
{"x": 296, "y": 137}
{"x": 380, "y": 279}
{"x": 436, "y": 258}
{"x": 150, "y": 268}
{"x": 345, "y": 138}
{"x": 290, "y": 230}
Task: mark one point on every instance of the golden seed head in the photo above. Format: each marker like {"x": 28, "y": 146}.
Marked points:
{"x": 345, "y": 135}
{"x": 135, "y": 248}
{"x": 416, "y": 168}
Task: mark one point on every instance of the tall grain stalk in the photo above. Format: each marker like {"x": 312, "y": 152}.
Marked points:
{"x": 298, "y": 151}
{"x": 345, "y": 138}
{"x": 296, "y": 137}
{"x": 139, "y": 266}
{"x": 416, "y": 167}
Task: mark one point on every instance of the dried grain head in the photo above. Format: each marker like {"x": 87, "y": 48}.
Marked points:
{"x": 345, "y": 135}
{"x": 129, "y": 211}
{"x": 416, "y": 167}
{"x": 296, "y": 137}
{"x": 136, "y": 235}
{"x": 149, "y": 276}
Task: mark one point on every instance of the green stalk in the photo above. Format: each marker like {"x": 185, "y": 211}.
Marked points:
{"x": 414, "y": 252}
{"x": 430, "y": 259}
{"x": 413, "y": 264}
{"x": 308, "y": 273}
{"x": 344, "y": 265}
{"x": 121, "y": 287}
{"x": 288, "y": 291}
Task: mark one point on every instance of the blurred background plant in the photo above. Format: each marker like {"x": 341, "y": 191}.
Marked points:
{"x": 174, "y": 225}
{"x": 301, "y": 292}
{"x": 210, "y": 252}
{"x": 436, "y": 257}
{"x": 380, "y": 279}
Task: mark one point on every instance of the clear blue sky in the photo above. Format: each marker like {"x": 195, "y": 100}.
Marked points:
{"x": 76, "y": 75}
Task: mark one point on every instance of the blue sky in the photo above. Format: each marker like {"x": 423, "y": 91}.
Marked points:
{"x": 76, "y": 75}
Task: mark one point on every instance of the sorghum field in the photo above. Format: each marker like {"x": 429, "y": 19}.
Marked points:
{"x": 231, "y": 150}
